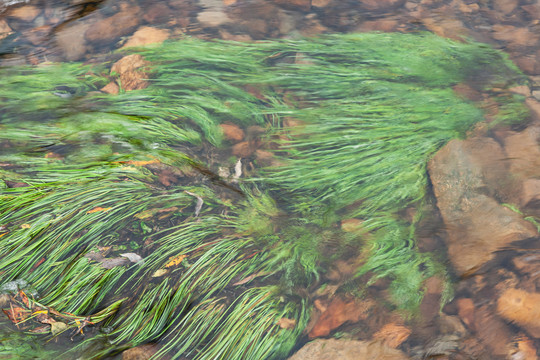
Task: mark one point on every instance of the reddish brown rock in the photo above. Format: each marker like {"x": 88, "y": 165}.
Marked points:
{"x": 70, "y": 39}
{"x": 142, "y": 352}
{"x": 157, "y": 13}
{"x": 111, "y": 88}
{"x": 24, "y": 13}
{"x": 111, "y": 28}
{"x": 5, "y": 30}
{"x": 523, "y": 151}
{"x": 467, "y": 176}
{"x": 232, "y": 132}
{"x": 385, "y": 25}
{"x": 243, "y": 149}
{"x": 467, "y": 92}
{"x": 446, "y": 26}
{"x": 533, "y": 10}
{"x": 380, "y": 5}
{"x": 392, "y": 334}
{"x": 294, "y": 4}
{"x": 521, "y": 307}
{"x": 493, "y": 333}
{"x": 147, "y": 35}
{"x": 534, "y": 107}
{"x": 325, "y": 349}
{"x": 521, "y": 90}
{"x": 337, "y": 313}
{"x": 505, "y": 7}
{"x": 320, "y": 3}
{"x": 466, "y": 311}
{"x": 514, "y": 35}
{"x": 39, "y": 34}
{"x": 129, "y": 70}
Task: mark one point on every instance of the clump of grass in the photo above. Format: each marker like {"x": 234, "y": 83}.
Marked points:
{"x": 216, "y": 278}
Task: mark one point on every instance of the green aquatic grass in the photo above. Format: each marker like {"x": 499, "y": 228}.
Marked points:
{"x": 374, "y": 108}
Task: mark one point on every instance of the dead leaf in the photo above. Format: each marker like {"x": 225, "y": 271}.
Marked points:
{"x": 145, "y": 214}
{"x": 58, "y": 327}
{"x": 97, "y": 209}
{"x": 141, "y": 163}
{"x": 285, "y": 323}
{"x": 16, "y": 314}
{"x": 25, "y": 226}
{"x": 24, "y": 299}
{"x": 160, "y": 272}
{"x": 40, "y": 261}
{"x": 175, "y": 260}
{"x": 134, "y": 258}
{"x": 249, "y": 278}
{"x": 41, "y": 329}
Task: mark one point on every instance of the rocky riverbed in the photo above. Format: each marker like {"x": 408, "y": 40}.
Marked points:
{"x": 486, "y": 188}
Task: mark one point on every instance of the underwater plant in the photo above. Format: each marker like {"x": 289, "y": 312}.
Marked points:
{"x": 115, "y": 199}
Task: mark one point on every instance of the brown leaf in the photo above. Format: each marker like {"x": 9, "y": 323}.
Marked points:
{"x": 99, "y": 208}
{"x": 24, "y": 299}
{"x": 16, "y": 314}
{"x": 175, "y": 260}
{"x": 41, "y": 329}
{"x": 285, "y": 323}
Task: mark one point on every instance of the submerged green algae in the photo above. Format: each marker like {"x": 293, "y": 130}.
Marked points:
{"x": 373, "y": 108}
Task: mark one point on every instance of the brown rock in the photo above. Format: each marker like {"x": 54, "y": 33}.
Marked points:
{"x": 385, "y": 25}
{"x": 157, "y": 13}
{"x": 5, "y": 30}
{"x": 71, "y": 40}
{"x": 142, "y": 352}
{"x": 527, "y": 63}
{"x": 530, "y": 195}
{"x": 243, "y": 149}
{"x": 24, "y": 13}
{"x": 523, "y": 151}
{"x": 467, "y": 92}
{"x": 147, "y": 35}
{"x": 39, "y": 34}
{"x": 514, "y": 35}
{"x": 380, "y": 5}
{"x": 493, "y": 333}
{"x": 120, "y": 24}
{"x": 533, "y": 10}
{"x": 325, "y": 349}
{"x": 534, "y": 106}
{"x": 232, "y": 132}
{"x": 522, "y": 308}
{"x": 445, "y": 26}
{"x": 337, "y": 313}
{"x": 505, "y": 6}
{"x": 526, "y": 349}
{"x": 265, "y": 157}
{"x": 466, "y": 175}
{"x": 128, "y": 68}
{"x": 213, "y": 17}
{"x": 466, "y": 311}
{"x": 521, "y": 90}
{"x": 392, "y": 334}
{"x": 111, "y": 88}
{"x": 320, "y": 3}
{"x": 304, "y": 5}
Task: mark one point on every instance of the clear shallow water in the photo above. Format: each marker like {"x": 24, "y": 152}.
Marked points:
{"x": 72, "y": 38}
